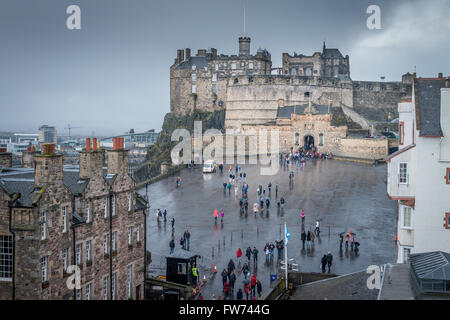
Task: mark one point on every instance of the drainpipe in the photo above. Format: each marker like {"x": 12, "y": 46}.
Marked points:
{"x": 10, "y": 204}
{"x": 145, "y": 250}
{"x": 110, "y": 244}
{"x": 73, "y": 245}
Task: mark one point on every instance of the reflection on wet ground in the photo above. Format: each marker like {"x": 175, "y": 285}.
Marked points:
{"x": 341, "y": 195}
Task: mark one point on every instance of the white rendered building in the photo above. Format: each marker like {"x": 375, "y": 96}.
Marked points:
{"x": 419, "y": 173}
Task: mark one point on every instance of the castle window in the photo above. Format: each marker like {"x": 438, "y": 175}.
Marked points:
{"x": 194, "y": 77}
{"x": 403, "y": 173}
{"x": 105, "y": 207}
{"x": 44, "y": 269}
{"x": 105, "y": 288}
{"x": 114, "y": 241}
{"x": 213, "y": 88}
{"x": 194, "y": 88}
{"x": 105, "y": 244}
{"x": 129, "y": 236}
{"x": 194, "y": 67}
{"x": 129, "y": 281}
{"x": 113, "y": 202}
{"x": 297, "y": 138}
{"x": 87, "y": 292}
{"x": 113, "y": 286}
{"x": 6, "y": 246}
{"x": 250, "y": 65}
{"x": 78, "y": 254}
{"x": 129, "y": 201}
{"x": 88, "y": 250}
{"x": 43, "y": 223}
{"x": 78, "y": 294}
{"x": 236, "y": 80}
{"x": 216, "y": 67}
{"x": 233, "y": 66}
{"x": 64, "y": 256}
{"x": 320, "y": 139}
{"x": 64, "y": 219}
{"x": 214, "y": 77}
{"x": 401, "y": 133}
{"x": 88, "y": 212}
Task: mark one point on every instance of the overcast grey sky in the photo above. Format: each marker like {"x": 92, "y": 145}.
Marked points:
{"x": 113, "y": 74}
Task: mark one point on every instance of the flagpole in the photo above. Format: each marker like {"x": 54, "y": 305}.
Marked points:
{"x": 285, "y": 254}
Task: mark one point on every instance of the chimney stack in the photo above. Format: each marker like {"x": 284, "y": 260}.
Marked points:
{"x": 91, "y": 160}
{"x": 5, "y": 158}
{"x": 440, "y": 75}
{"x": 188, "y": 53}
{"x": 118, "y": 157}
{"x": 28, "y": 157}
{"x": 48, "y": 166}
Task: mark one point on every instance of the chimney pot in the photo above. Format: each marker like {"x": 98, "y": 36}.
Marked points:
{"x": 94, "y": 144}
{"x": 88, "y": 144}
{"x": 440, "y": 75}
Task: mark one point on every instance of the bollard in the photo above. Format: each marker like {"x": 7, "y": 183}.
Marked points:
{"x": 242, "y": 234}
{"x": 219, "y": 244}
{"x": 213, "y": 252}
{"x": 329, "y": 232}
{"x": 231, "y": 242}
{"x": 224, "y": 242}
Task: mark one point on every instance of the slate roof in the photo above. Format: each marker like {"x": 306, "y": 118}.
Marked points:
{"x": 200, "y": 62}
{"x": 73, "y": 182}
{"x": 285, "y": 112}
{"x": 332, "y": 53}
{"x": 25, "y": 187}
{"x": 141, "y": 203}
{"x": 431, "y": 265}
{"x": 427, "y": 94}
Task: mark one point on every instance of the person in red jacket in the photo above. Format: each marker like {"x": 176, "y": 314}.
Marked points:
{"x": 253, "y": 285}
{"x": 239, "y": 253}
{"x": 246, "y": 290}
{"x": 226, "y": 289}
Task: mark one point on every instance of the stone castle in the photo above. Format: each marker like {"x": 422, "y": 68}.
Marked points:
{"x": 251, "y": 90}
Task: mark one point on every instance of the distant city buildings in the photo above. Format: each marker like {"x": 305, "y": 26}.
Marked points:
{"x": 419, "y": 173}
{"x": 47, "y": 134}
{"x": 18, "y": 142}
{"x": 133, "y": 141}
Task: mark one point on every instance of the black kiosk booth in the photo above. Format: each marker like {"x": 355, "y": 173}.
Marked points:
{"x": 179, "y": 267}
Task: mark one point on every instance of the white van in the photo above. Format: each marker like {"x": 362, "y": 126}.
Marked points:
{"x": 209, "y": 166}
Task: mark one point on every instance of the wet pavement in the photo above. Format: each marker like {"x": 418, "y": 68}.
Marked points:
{"x": 342, "y": 195}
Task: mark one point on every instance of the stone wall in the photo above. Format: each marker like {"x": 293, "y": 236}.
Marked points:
{"x": 363, "y": 148}
{"x": 255, "y": 100}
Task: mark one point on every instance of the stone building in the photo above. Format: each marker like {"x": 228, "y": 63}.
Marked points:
{"x": 247, "y": 88}
{"x": 200, "y": 81}
{"x": 328, "y": 63}
{"x": 311, "y": 124}
{"x": 53, "y": 217}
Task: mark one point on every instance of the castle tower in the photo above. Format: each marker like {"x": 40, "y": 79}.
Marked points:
{"x": 244, "y": 46}
{"x": 118, "y": 158}
{"x": 91, "y": 160}
{"x": 49, "y": 166}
